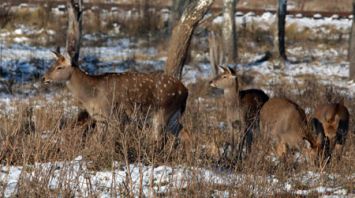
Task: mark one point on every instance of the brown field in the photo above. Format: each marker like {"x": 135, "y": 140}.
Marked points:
{"x": 56, "y": 136}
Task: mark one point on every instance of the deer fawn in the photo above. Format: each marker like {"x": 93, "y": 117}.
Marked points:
{"x": 285, "y": 123}
{"x": 332, "y": 120}
{"x": 243, "y": 106}
{"x": 101, "y": 95}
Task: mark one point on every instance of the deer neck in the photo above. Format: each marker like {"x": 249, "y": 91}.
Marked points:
{"x": 231, "y": 97}
{"x": 80, "y": 84}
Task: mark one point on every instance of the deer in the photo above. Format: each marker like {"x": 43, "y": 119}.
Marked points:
{"x": 332, "y": 120}
{"x": 285, "y": 123}
{"x": 160, "y": 95}
{"x": 243, "y": 106}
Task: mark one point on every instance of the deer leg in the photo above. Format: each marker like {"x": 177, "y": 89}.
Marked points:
{"x": 158, "y": 118}
{"x": 249, "y": 137}
{"x": 338, "y": 151}
{"x": 281, "y": 149}
{"x": 173, "y": 123}
{"x": 86, "y": 123}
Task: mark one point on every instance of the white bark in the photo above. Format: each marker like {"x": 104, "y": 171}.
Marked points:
{"x": 181, "y": 36}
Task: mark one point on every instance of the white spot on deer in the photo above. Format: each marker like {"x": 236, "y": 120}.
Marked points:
{"x": 164, "y": 85}
{"x": 161, "y": 91}
{"x": 140, "y": 84}
{"x": 173, "y": 94}
{"x": 180, "y": 92}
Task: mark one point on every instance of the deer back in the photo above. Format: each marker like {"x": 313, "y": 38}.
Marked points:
{"x": 285, "y": 123}
{"x": 100, "y": 94}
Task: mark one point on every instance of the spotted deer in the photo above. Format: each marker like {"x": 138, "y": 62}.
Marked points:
{"x": 242, "y": 106}
{"x": 285, "y": 123}
{"x": 101, "y": 95}
{"x": 332, "y": 120}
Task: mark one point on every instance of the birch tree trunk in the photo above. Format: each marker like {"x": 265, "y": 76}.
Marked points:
{"x": 279, "y": 36}
{"x": 352, "y": 48}
{"x": 75, "y": 10}
{"x": 229, "y": 31}
{"x": 181, "y": 36}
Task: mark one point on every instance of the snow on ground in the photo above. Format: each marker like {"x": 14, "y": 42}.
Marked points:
{"x": 82, "y": 181}
{"x": 23, "y": 63}
{"x": 266, "y": 20}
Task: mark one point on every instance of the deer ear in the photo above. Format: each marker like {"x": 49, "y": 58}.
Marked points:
{"x": 231, "y": 71}
{"x": 221, "y": 69}
{"x": 307, "y": 144}
{"x": 67, "y": 58}
{"x": 57, "y": 54}
{"x": 316, "y": 126}
{"x": 336, "y": 118}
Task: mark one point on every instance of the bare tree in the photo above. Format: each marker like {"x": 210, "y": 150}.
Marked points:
{"x": 352, "y": 48}
{"x": 181, "y": 36}
{"x": 75, "y": 10}
{"x": 279, "y": 37}
{"x": 216, "y": 51}
{"x": 229, "y": 31}
{"x": 5, "y": 14}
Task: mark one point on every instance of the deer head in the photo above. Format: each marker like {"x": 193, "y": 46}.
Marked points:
{"x": 226, "y": 79}
{"x": 61, "y": 69}
{"x": 318, "y": 149}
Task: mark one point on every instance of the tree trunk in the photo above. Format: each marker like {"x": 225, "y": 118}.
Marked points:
{"x": 181, "y": 36}
{"x": 352, "y": 48}
{"x": 5, "y": 15}
{"x": 229, "y": 31}
{"x": 216, "y": 51}
{"x": 177, "y": 10}
{"x": 279, "y": 38}
{"x": 75, "y": 10}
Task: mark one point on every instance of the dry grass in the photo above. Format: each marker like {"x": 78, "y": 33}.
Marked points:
{"x": 58, "y": 136}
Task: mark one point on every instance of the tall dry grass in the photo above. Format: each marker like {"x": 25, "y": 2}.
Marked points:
{"x": 50, "y": 133}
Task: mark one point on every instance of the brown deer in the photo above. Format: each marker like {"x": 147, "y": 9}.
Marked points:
{"x": 332, "y": 120}
{"x": 104, "y": 95}
{"x": 243, "y": 106}
{"x": 285, "y": 124}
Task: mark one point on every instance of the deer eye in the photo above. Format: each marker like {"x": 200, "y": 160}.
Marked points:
{"x": 224, "y": 76}
{"x": 59, "y": 67}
